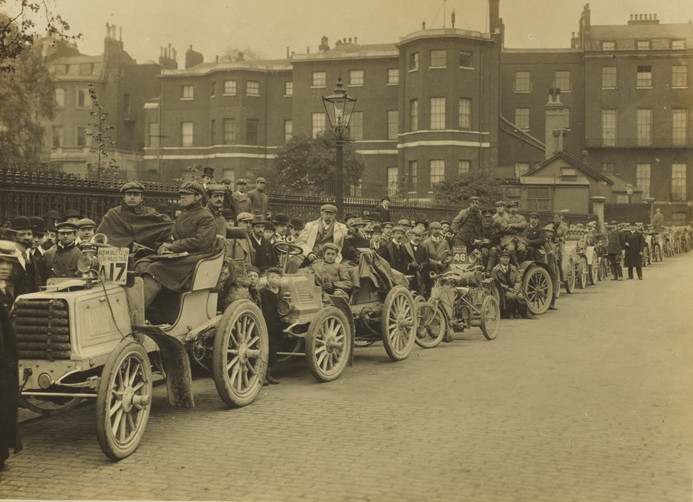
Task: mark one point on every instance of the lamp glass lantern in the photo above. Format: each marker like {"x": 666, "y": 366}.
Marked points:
{"x": 339, "y": 107}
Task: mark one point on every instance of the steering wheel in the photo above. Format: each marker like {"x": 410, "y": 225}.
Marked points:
{"x": 288, "y": 248}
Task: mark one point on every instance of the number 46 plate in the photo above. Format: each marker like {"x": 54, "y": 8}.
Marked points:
{"x": 113, "y": 264}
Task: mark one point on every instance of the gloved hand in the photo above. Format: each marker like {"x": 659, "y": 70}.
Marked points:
{"x": 328, "y": 287}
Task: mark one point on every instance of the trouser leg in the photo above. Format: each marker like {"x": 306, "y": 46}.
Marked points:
{"x": 630, "y": 272}
{"x": 639, "y": 271}
{"x": 492, "y": 259}
{"x": 151, "y": 289}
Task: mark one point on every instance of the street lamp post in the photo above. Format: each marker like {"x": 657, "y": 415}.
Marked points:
{"x": 338, "y": 108}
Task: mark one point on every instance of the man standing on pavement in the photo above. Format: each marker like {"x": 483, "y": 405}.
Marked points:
{"x": 614, "y": 249}
{"x": 241, "y": 203}
{"x": 382, "y": 210}
{"x": 634, "y": 243}
{"x": 259, "y": 202}
{"x": 467, "y": 223}
{"x": 658, "y": 221}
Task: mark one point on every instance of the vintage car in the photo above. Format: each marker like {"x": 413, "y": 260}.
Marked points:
{"x": 381, "y": 308}
{"x": 88, "y": 338}
{"x": 580, "y": 259}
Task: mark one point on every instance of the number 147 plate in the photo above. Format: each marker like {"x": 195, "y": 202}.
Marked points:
{"x": 113, "y": 264}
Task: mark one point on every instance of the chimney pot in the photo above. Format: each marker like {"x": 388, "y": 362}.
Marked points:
{"x": 423, "y": 25}
{"x": 356, "y": 40}
{"x": 349, "y": 39}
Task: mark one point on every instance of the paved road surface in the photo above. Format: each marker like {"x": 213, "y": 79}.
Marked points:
{"x": 591, "y": 402}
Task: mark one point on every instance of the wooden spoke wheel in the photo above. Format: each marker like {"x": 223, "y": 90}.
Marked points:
{"x": 398, "y": 323}
{"x": 490, "y": 317}
{"x": 583, "y": 273}
{"x": 570, "y": 279}
{"x": 241, "y": 350}
{"x": 123, "y": 401}
{"x": 432, "y": 325}
{"x": 538, "y": 289}
{"x": 328, "y": 344}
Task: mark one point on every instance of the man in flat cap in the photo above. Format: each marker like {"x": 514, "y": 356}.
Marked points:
{"x": 72, "y": 216}
{"x": 489, "y": 244}
{"x": 241, "y": 202}
{"x": 259, "y": 201}
{"x": 535, "y": 237}
{"x": 194, "y": 232}
{"x": 467, "y": 224}
{"x": 134, "y": 225}
{"x": 615, "y": 246}
{"x": 437, "y": 247}
{"x": 512, "y": 240}
{"x": 334, "y": 278}
{"x": 509, "y": 279}
{"x": 85, "y": 231}
{"x": 61, "y": 260}
{"x": 215, "y": 204}
{"x": 317, "y": 233}
{"x": 393, "y": 251}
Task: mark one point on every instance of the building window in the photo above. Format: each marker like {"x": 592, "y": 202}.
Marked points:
{"x": 644, "y": 127}
{"x": 57, "y": 136}
{"x": 678, "y": 182}
{"x": 251, "y": 129}
{"x": 538, "y": 199}
{"x": 466, "y": 59}
{"x": 414, "y": 115}
{"x": 521, "y": 168}
{"x": 186, "y": 134}
{"x": 608, "y": 77}
{"x": 522, "y": 118}
{"x": 465, "y": 118}
{"x": 437, "y": 171}
{"x": 59, "y": 97}
{"x": 643, "y": 45}
{"x": 562, "y": 80}
{"x": 318, "y": 124}
{"x": 413, "y": 175}
{"x": 85, "y": 69}
{"x": 644, "y": 78}
{"x": 356, "y": 126}
{"x": 608, "y": 45}
{"x": 438, "y": 58}
{"x": 212, "y": 132}
{"x": 642, "y": 176}
{"x": 187, "y": 92}
{"x": 288, "y": 130}
{"x": 252, "y": 88}
{"x": 392, "y": 124}
{"x": 608, "y": 127}
{"x": 678, "y": 44}
{"x": 621, "y": 199}
{"x": 392, "y": 180}
{"x": 437, "y": 113}
{"x": 522, "y": 82}
{"x": 83, "y": 98}
{"x": 679, "y": 76}
{"x": 413, "y": 61}
{"x": 318, "y": 79}
{"x": 463, "y": 167}
{"x": 679, "y": 124}
{"x": 229, "y": 131}
{"x": 229, "y": 88}
{"x": 356, "y": 77}
{"x": 81, "y": 136}
{"x": 393, "y": 76}
{"x": 212, "y": 89}
{"x": 154, "y": 135}
{"x": 288, "y": 88}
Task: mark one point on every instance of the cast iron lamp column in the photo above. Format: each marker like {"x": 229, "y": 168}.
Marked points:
{"x": 339, "y": 107}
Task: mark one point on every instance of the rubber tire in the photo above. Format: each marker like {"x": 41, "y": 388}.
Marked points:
{"x": 569, "y": 282}
{"x": 398, "y": 345}
{"x": 490, "y": 318}
{"x": 43, "y": 405}
{"x": 423, "y": 330}
{"x": 124, "y": 353}
{"x": 542, "y": 276}
{"x": 315, "y": 342}
{"x": 583, "y": 273}
{"x": 233, "y": 395}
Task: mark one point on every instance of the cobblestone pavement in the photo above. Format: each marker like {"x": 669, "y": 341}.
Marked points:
{"x": 591, "y": 402}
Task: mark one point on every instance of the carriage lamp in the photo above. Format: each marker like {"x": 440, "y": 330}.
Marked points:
{"x": 284, "y": 305}
{"x": 88, "y": 263}
{"x": 338, "y": 108}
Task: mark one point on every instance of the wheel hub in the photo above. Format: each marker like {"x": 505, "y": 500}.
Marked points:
{"x": 243, "y": 352}
{"x": 128, "y": 398}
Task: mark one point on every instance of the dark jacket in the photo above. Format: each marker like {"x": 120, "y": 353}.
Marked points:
{"x": 61, "y": 261}
{"x": 351, "y": 244}
{"x": 616, "y": 242}
{"x": 634, "y": 244}
{"x": 395, "y": 255}
{"x": 535, "y": 236}
{"x": 264, "y": 256}
{"x": 9, "y": 386}
{"x": 381, "y": 213}
{"x": 259, "y": 202}
{"x": 124, "y": 225}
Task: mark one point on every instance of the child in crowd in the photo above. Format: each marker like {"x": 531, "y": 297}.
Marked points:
{"x": 253, "y": 278}
{"x": 269, "y": 300}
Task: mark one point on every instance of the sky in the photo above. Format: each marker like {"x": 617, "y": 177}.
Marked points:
{"x": 268, "y": 27}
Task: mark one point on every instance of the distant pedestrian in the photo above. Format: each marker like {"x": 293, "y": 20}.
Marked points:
{"x": 614, "y": 249}
{"x": 259, "y": 201}
{"x": 634, "y": 242}
{"x": 382, "y": 210}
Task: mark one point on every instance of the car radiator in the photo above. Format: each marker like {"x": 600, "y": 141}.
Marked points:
{"x": 42, "y": 328}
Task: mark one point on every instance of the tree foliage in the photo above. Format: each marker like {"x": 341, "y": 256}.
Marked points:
{"x": 308, "y": 165}
{"x": 27, "y": 97}
{"x": 479, "y": 182}
{"x": 20, "y": 23}
{"x": 233, "y": 54}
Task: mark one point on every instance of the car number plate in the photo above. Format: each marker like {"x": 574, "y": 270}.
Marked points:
{"x": 113, "y": 264}
{"x": 459, "y": 254}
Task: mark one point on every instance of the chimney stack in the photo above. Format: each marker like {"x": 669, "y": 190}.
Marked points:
{"x": 423, "y": 25}
{"x": 494, "y": 17}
